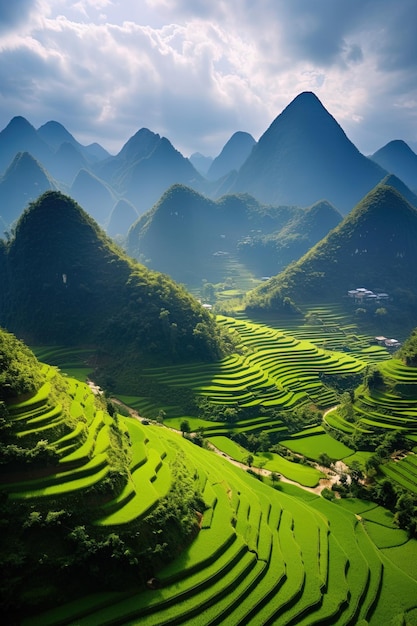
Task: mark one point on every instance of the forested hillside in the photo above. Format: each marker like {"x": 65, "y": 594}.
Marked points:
{"x": 63, "y": 281}
{"x": 373, "y": 248}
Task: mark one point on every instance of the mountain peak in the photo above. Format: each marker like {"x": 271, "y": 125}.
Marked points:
{"x": 55, "y": 134}
{"x": 305, "y": 156}
{"x": 19, "y": 123}
{"x": 232, "y": 156}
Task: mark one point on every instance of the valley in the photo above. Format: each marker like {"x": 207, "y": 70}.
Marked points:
{"x": 208, "y": 381}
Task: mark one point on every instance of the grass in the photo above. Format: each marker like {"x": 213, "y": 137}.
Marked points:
{"x": 314, "y": 445}
{"x": 262, "y": 555}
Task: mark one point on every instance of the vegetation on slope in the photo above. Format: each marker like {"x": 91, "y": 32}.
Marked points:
{"x": 63, "y": 281}
{"x": 87, "y": 503}
{"x": 373, "y": 247}
{"x": 192, "y": 238}
{"x": 408, "y": 351}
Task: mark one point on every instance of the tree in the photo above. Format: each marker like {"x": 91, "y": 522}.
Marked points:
{"x": 264, "y": 441}
{"x": 385, "y": 493}
{"x": 324, "y": 459}
{"x": 405, "y": 516}
{"x": 275, "y": 477}
{"x": 249, "y": 460}
{"x": 185, "y": 427}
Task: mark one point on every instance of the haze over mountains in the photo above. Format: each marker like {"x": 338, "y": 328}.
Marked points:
{"x": 192, "y": 237}
{"x": 303, "y": 157}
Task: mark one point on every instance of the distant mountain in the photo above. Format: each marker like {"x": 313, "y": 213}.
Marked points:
{"x": 201, "y": 162}
{"x": 23, "y": 181}
{"x": 392, "y": 181}
{"x": 94, "y": 195}
{"x": 96, "y": 152}
{"x": 233, "y": 155}
{"x": 271, "y": 253}
{"x": 398, "y": 158}
{"x": 305, "y": 156}
{"x": 67, "y": 283}
{"x": 67, "y": 163}
{"x": 145, "y": 167}
{"x": 121, "y": 219}
{"x": 55, "y": 134}
{"x": 374, "y": 247}
{"x": 20, "y": 136}
{"x": 191, "y": 237}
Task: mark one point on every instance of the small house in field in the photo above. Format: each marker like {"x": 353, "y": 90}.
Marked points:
{"x": 392, "y": 344}
{"x": 362, "y": 295}
{"x": 380, "y": 340}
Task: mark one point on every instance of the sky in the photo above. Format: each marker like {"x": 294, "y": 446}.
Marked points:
{"x": 196, "y": 71}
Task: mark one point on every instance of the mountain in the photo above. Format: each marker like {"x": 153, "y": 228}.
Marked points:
{"x": 23, "y": 181}
{"x": 94, "y": 195}
{"x": 55, "y": 134}
{"x": 145, "y": 167}
{"x": 398, "y": 158}
{"x": 66, "y": 283}
{"x": 122, "y": 217}
{"x": 191, "y": 237}
{"x": 232, "y": 156}
{"x": 201, "y": 162}
{"x": 305, "y": 156}
{"x": 270, "y": 253}
{"x": 96, "y": 152}
{"x": 374, "y": 247}
{"x": 68, "y": 162}
{"x": 20, "y": 136}
{"x": 392, "y": 181}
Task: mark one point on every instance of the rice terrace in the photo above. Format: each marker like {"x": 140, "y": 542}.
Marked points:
{"x": 275, "y": 542}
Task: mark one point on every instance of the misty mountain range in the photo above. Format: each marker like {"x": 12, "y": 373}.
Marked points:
{"x": 304, "y": 157}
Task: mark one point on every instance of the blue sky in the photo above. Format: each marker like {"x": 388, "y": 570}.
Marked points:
{"x": 196, "y": 71}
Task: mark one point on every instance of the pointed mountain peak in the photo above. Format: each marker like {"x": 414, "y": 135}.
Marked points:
{"x": 140, "y": 145}
{"x": 374, "y": 246}
{"x": 395, "y": 147}
{"x": 398, "y": 158}
{"x": 305, "y": 156}
{"x": 233, "y": 155}
{"x": 55, "y": 134}
{"x": 306, "y": 98}
{"x": 19, "y": 123}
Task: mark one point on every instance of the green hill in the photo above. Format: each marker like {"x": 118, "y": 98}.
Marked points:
{"x": 64, "y": 282}
{"x": 373, "y": 247}
{"x": 88, "y": 502}
{"x": 192, "y": 238}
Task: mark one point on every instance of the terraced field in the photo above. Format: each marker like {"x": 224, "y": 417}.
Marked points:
{"x": 275, "y": 370}
{"x": 262, "y": 556}
{"x": 83, "y": 454}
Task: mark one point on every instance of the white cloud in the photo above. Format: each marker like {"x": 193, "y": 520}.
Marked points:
{"x": 197, "y": 71}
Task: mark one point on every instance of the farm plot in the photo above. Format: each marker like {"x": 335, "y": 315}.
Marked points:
{"x": 265, "y": 557}
{"x": 261, "y": 556}
{"x": 313, "y": 445}
{"x": 277, "y": 370}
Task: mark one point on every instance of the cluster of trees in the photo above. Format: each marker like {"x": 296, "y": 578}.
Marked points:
{"x": 408, "y": 351}
{"x": 19, "y": 370}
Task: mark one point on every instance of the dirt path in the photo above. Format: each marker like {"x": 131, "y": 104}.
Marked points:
{"x": 332, "y": 475}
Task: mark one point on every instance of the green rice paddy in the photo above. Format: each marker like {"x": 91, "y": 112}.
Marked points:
{"x": 262, "y": 555}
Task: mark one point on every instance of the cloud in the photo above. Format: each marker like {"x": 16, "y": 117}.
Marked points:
{"x": 14, "y": 13}
{"x": 198, "y": 71}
